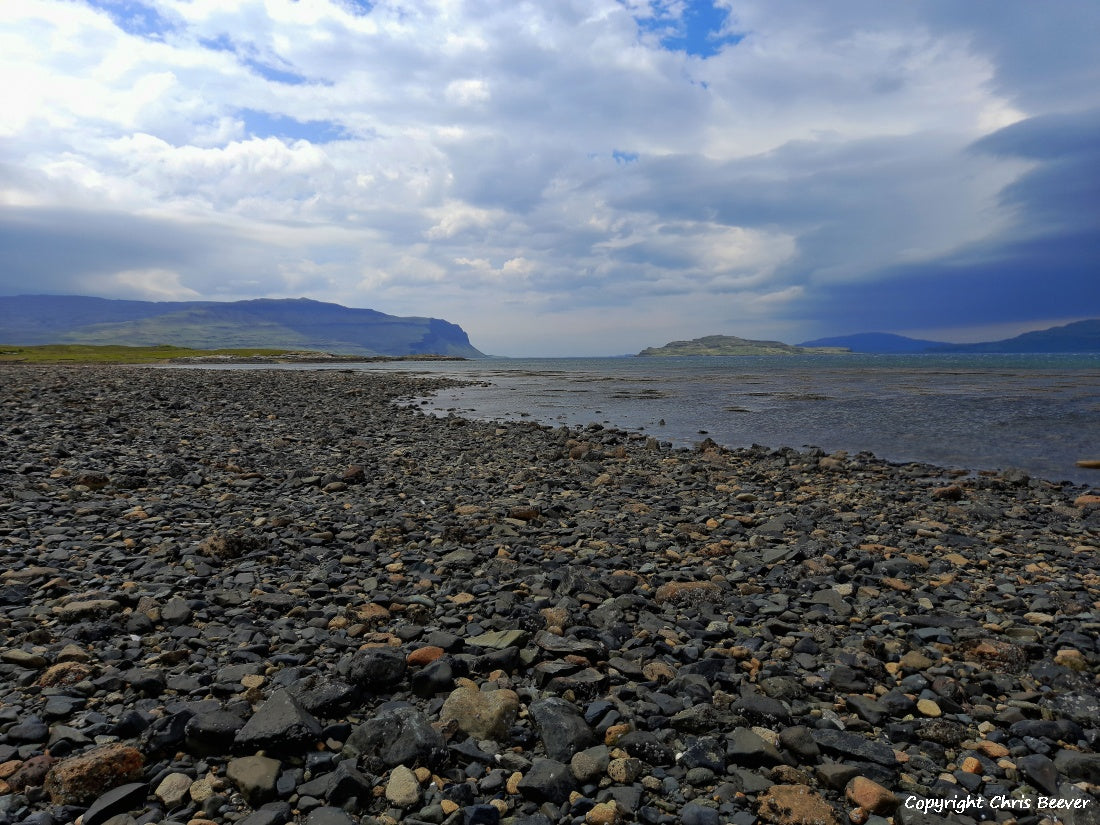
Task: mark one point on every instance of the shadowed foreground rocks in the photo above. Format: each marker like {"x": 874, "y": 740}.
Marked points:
{"x": 266, "y": 596}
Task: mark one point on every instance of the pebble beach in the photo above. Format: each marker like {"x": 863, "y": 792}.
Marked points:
{"x": 263, "y": 597}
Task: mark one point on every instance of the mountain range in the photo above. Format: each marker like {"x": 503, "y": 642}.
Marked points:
{"x": 296, "y": 323}
{"x": 1081, "y": 336}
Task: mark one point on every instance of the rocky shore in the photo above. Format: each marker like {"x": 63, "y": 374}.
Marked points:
{"x": 262, "y": 597}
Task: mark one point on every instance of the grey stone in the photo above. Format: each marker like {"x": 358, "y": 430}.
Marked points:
{"x": 547, "y": 781}
{"x": 398, "y": 736}
{"x": 255, "y": 777}
{"x": 116, "y": 801}
{"x": 562, "y": 728}
{"x": 280, "y": 725}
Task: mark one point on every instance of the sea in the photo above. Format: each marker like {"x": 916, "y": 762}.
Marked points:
{"x": 1039, "y": 413}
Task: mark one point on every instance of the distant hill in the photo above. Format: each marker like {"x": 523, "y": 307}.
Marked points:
{"x": 1082, "y": 336}
{"x": 297, "y": 323}
{"x": 879, "y": 342}
{"x": 727, "y": 345}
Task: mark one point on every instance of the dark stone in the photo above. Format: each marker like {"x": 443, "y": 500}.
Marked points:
{"x": 31, "y": 729}
{"x": 212, "y": 732}
{"x": 324, "y": 697}
{"x": 695, "y": 814}
{"x": 328, "y": 816}
{"x": 480, "y": 815}
{"x": 847, "y": 680}
{"x": 1040, "y": 771}
{"x": 561, "y": 727}
{"x": 646, "y": 746}
{"x": 281, "y": 725}
{"x": 547, "y": 781}
{"x": 704, "y": 752}
{"x": 799, "y": 740}
{"x": 855, "y": 746}
{"x": 273, "y": 813}
{"x": 438, "y": 677}
{"x": 868, "y": 710}
{"x": 348, "y": 783}
{"x": 116, "y": 801}
{"x": 398, "y": 736}
{"x": 1078, "y": 766}
{"x": 165, "y": 734}
{"x": 746, "y": 748}
{"x": 377, "y": 669}
{"x": 760, "y": 709}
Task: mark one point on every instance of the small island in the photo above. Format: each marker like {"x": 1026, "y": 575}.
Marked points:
{"x": 732, "y": 345}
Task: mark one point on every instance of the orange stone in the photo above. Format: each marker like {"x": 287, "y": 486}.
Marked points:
{"x": 870, "y": 796}
{"x": 424, "y": 655}
{"x": 686, "y": 592}
{"x": 80, "y": 779}
{"x": 794, "y": 805}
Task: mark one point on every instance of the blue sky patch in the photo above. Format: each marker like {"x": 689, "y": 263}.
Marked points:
{"x": 623, "y": 158}
{"x": 360, "y": 8}
{"x": 265, "y": 124}
{"x": 698, "y": 32}
{"x": 134, "y": 17}
{"x": 223, "y": 43}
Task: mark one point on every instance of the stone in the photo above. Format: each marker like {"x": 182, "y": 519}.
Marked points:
{"x": 402, "y": 788}
{"x": 23, "y": 658}
{"x": 424, "y": 655}
{"x": 482, "y": 714}
{"x": 547, "y": 781}
{"x": 254, "y": 777}
{"x": 175, "y": 611}
{"x": 80, "y": 779}
{"x": 1039, "y": 771}
{"x": 174, "y": 789}
{"x": 854, "y": 746}
{"x": 1077, "y": 766}
{"x": 604, "y": 813}
{"x": 377, "y": 669}
{"x": 624, "y": 769}
{"x": 687, "y": 593}
{"x": 562, "y": 728}
{"x": 280, "y": 725}
{"x": 397, "y": 736}
{"x": 694, "y": 813}
{"x": 212, "y": 732}
{"x": 30, "y": 774}
{"x": 588, "y": 765}
{"x": 794, "y": 805}
{"x": 871, "y": 796}
{"x": 116, "y": 801}
{"x": 929, "y": 708}
{"x": 748, "y": 749}
{"x": 65, "y": 674}
{"x": 328, "y": 816}
{"x": 499, "y": 639}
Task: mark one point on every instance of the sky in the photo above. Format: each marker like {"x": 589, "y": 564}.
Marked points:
{"x": 576, "y": 177}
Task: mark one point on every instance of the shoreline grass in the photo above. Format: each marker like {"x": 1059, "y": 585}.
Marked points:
{"x": 115, "y": 354}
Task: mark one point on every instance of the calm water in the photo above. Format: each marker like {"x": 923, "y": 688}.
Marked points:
{"x": 1040, "y": 413}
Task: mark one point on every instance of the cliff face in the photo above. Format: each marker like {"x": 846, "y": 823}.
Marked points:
{"x": 293, "y": 323}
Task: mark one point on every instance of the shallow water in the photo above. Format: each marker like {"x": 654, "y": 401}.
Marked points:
{"x": 1039, "y": 413}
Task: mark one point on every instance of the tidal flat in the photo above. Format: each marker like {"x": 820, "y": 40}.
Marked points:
{"x": 271, "y": 596}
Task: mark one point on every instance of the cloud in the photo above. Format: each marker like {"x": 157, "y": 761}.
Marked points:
{"x": 624, "y": 167}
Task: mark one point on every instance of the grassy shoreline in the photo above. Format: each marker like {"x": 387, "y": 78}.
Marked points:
{"x": 116, "y": 354}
